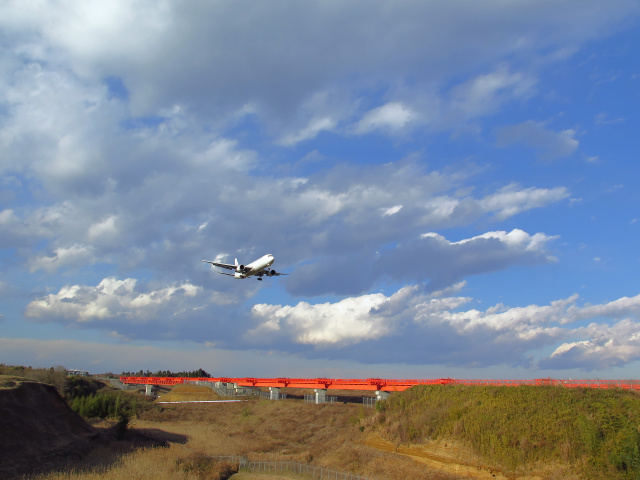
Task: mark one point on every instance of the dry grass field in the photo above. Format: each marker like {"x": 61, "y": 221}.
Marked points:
{"x": 425, "y": 433}
{"x": 289, "y": 430}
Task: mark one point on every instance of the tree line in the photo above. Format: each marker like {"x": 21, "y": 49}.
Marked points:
{"x": 199, "y": 373}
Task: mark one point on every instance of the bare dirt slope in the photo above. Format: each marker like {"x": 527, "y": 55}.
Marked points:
{"x": 445, "y": 457}
{"x": 37, "y": 427}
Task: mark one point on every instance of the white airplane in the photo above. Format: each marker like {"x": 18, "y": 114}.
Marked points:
{"x": 256, "y": 268}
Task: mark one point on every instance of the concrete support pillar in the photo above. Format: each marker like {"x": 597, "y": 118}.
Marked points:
{"x": 321, "y": 395}
{"x": 150, "y": 390}
{"x": 381, "y": 395}
{"x": 274, "y": 393}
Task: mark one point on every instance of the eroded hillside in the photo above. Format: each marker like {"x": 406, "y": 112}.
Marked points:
{"x": 37, "y": 427}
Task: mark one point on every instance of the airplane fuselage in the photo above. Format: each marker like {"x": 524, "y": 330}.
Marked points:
{"x": 244, "y": 271}
{"x": 258, "y": 268}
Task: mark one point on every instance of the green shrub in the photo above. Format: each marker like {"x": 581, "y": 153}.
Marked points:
{"x": 107, "y": 404}
{"x": 122, "y": 426}
{"x": 596, "y": 431}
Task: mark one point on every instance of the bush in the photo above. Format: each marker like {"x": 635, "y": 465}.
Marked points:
{"x": 596, "y": 431}
{"x": 107, "y": 404}
{"x": 122, "y": 426}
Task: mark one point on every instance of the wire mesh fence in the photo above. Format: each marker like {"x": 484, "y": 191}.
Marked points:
{"x": 369, "y": 402}
{"x": 303, "y": 469}
{"x": 311, "y": 398}
{"x": 226, "y": 391}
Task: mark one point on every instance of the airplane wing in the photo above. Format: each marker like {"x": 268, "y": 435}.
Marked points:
{"x": 222, "y": 265}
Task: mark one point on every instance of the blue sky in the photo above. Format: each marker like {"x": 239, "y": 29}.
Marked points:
{"x": 450, "y": 185}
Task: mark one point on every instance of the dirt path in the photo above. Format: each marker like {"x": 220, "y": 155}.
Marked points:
{"x": 434, "y": 456}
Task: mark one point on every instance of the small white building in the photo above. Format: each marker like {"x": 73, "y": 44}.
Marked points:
{"x": 78, "y": 373}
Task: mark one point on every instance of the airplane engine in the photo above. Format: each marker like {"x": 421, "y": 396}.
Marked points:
{"x": 239, "y": 275}
{"x": 240, "y": 268}
{"x": 272, "y": 273}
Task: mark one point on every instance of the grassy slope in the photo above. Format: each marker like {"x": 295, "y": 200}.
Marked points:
{"x": 287, "y": 431}
{"x": 189, "y": 393}
{"x": 519, "y": 429}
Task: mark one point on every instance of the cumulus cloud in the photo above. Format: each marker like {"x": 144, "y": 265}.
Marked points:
{"x": 111, "y": 298}
{"x": 618, "y": 308}
{"x": 123, "y": 154}
{"x": 91, "y": 42}
{"x": 444, "y": 262}
{"x": 160, "y": 219}
{"x": 431, "y": 258}
{"x": 73, "y": 256}
{"x": 435, "y": 325}
{"x": 604, "y": 345}
{"x": 343, "y": 322}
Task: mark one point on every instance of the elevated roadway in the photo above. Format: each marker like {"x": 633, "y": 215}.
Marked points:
{"x": 378, "y": 384}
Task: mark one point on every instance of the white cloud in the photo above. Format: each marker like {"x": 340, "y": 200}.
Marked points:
{"x": 618, "y": 308}
{"x": 606, "y": 346}
{"x": 110, "y": 299}
{"x": 105, "y": 228}
{"x": 515, "y": 238}
{"x": 387, "y": 212}
{"x": 391, "y": 117}
{"x": 347, "y": 321}
{"x": 315, "y": 126}
{"x": 143, "y": 45}
{"x": 430, "y": 259}
{"x": 483, "y": 94}
{"x": 511, "y": 200}
{"x": 550, "y": 144}
{"x": 74, "y": 256}
{"x": 122, "y": 148}
{"x": 409, "y": 317}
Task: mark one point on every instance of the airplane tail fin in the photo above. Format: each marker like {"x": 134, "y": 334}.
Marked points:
{"x": 236, "y": 264}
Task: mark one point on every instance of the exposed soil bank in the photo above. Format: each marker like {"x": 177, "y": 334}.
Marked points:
{"x": 37, "y": 427}
{"x": 435, "y": 456}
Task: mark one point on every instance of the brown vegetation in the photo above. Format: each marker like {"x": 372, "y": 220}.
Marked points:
{"x": 290, "y": 430}
{"x": 189, "y": 393}
{"x": 552, "y": 431}
{"x": 39, "y": 432}
{"x": 426, "y": 433}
